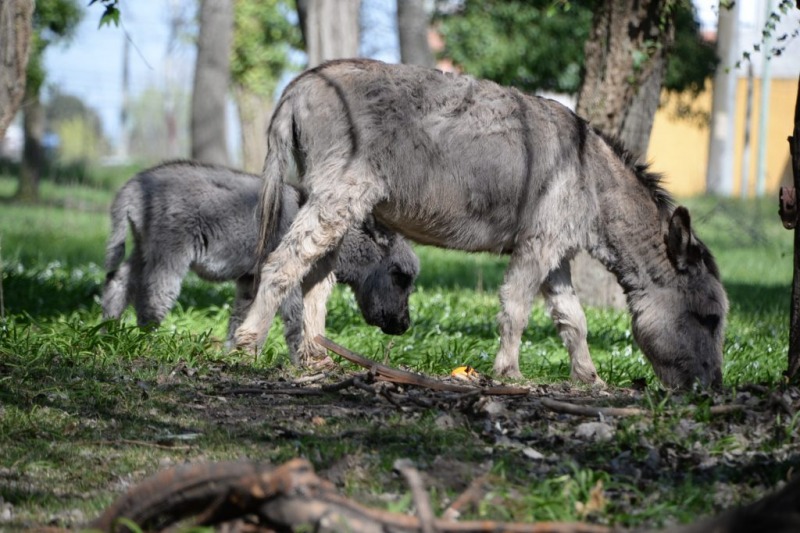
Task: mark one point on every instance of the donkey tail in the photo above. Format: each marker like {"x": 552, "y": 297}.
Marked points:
{"x": 280, "y": 143}
{"x": 126, "y": 209}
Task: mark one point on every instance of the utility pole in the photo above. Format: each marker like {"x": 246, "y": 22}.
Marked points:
{"x": 719, "y": 174}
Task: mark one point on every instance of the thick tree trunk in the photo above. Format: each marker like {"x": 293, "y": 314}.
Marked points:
{"x": 625, "y": 58}
{"x": 330, "y": 28}
{"x": 254, "y": 114}
{"x": 15, "y": 37}
{"x": 33, "y": 152}
{"x": 412, "y": 26}
{"x": 211, "y": 79}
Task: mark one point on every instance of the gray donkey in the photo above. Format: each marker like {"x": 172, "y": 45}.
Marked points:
{"x": 187, "y": 215}
{"x": 461, "y": 163}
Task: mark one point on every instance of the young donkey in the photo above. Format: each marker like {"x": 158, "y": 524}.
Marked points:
{"x": 461, "y": 163}
{"x": 187, "y": 215}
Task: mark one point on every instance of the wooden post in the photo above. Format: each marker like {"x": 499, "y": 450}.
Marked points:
{"x": 789, "y": 216}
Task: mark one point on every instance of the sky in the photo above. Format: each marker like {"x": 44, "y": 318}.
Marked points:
{"x": 90, "y": 66}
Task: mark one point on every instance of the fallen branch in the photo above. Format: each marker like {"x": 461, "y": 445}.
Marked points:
{"x": 592, "y": 410}
{"x": 281, "y": 498}
{"x": 402, "y": 377}
{"x": 291, "y": 496}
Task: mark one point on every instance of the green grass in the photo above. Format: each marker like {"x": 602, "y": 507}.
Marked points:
{"x": 87, "y": 407}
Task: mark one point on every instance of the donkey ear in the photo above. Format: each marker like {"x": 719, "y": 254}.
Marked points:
{"x": 681, "y": 248}
{"x": 377, "y": 232}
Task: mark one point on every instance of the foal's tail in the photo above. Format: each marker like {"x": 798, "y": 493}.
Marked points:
{"x": 280, "y": 141}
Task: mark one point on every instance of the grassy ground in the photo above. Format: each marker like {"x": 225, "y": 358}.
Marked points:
{"x": 85, "y": 411}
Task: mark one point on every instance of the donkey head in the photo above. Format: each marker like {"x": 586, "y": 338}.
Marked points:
{"x": 380, "y": 267}
{"x": 679, "y": 322}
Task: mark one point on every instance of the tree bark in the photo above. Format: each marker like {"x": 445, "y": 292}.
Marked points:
{"x": 254, "y": 114}
{"x": 32, "y": 152}
{"x": 211, "y": 79}
{"x": 625, "y": 58}
{"x": 330, "y": 28}
{"x": 15, "y": 36}
{"x": 412, "y": 26}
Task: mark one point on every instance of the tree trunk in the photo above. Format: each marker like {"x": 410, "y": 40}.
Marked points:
{"x": 412, "y": 26}
{"x": 625, "y": 58}
{"x": 15, "y": 37}
{"x": 254, "y": 114}
{"x": 33, "y": 152}
{"x": 211, "y": 79}
{"x": 330, "y": 28}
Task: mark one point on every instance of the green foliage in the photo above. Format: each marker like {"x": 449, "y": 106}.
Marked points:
{"x": 539, "y": 44}
{"x": 53, "y": 21}
{"x": 532, "y": 45}
{"x": 263, "y": 36}
{"x": 110, "y": 12}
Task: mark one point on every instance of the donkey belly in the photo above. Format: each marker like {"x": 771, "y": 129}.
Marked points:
{"x": 450, "y": 227}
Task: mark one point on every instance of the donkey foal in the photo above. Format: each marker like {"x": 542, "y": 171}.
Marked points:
{"x": 187, "y": 215}
{"x": 461, "y": 163}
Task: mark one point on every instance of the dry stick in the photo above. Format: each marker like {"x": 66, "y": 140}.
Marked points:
{"x": 387, "y": 373}
{"x": 310, "y": 379}
{"x": 588, "y": 410}
{"x": 471, "y": 496}
{"x": 418, "y": 494}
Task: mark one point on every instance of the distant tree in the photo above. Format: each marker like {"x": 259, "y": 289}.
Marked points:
{"x": 262, "y": 39}
{"x": 79, "y": 128}
{"x": 413, "y": 22}
{"x": 53, "y": 20}
{"x": 150, "y": 136}
{"x": 211, "y": 81}
{"x": 330, "y": 28}
{"x": 16, "y": 18}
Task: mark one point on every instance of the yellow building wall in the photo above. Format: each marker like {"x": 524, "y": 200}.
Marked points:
{"x": 679, "y": 146}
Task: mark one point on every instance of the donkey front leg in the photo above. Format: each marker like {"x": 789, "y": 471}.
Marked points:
{"x": 567, "y": 314}
{"x": 522, "y": 279}
{"x": 245, "y": 293}
{"x": 317, "y": 288}
{"x": 317, "y": 229}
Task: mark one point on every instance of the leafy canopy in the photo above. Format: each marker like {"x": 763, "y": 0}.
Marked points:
{"x": 262, "y": 39}
{"x": 539, "y": 44}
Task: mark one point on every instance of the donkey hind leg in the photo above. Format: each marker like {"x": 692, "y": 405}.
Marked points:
{"x": 521, "y": 283}
{"x": 245, "y": 292}
{"x": 159, "y": 288}
{"x": 317, "y": 229}
{"x": 116, "y": 290}
{"x": 567, "y": 314}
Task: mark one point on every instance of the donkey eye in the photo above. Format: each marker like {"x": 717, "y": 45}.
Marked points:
{"x": 710, "y": 322}
{"x": 400, "y": 278}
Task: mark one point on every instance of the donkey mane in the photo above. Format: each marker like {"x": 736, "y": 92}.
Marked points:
{"x": 653, "y": 181}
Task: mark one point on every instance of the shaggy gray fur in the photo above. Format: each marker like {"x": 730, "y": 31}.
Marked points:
{"x": 461, "y": 163}
{"x": 186, "y": 215}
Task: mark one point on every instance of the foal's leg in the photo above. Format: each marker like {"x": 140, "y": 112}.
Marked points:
{"x": 116, "y": 291}
{"x": 567, "y": 314}
{"x": 342, "y": 201}
{"x": 160, "y": 286}
{"x": 521, "y": 283}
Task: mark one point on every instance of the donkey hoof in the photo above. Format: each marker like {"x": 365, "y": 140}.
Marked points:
{"x": 508, "y": 373}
